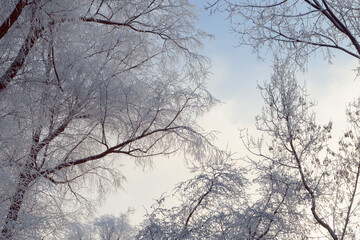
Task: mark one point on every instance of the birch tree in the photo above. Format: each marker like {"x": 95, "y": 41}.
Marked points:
{"x": 84, "y": 85}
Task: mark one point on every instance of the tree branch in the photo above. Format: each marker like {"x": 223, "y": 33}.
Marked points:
{"x": 19, "y": 61}
{"x": 113, "y": 149}
{"x": 311, "y": 193}
{"x": 347, "y": 219}
{"x": 6, "y": 25}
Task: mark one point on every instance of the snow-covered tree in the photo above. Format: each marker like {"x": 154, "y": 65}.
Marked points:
{"x": 294, "y": 156}
{"x": 295, "y": 28}
{"x": 83, "y": 85}
{"x": 115, "y": 228}
{"x": 294, "y": 153}
{"x": 77, "y": 231}
{"x": 106, "y": 227}
{"x": 206, "y": 206}
{"x": 301, "y": 187}
{"x": 216, "y": 204}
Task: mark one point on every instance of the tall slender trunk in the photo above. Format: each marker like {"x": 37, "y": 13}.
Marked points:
{"x": 9, "y": 228}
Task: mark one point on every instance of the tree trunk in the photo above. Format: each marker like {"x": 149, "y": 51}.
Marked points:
{"x": 8, "y": 230}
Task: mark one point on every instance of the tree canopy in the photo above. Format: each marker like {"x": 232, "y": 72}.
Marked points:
{"x": 87, "y": 84}
{"x": 84, "y": 84}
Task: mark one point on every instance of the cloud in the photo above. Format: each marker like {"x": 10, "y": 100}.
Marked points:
{"x": 333, "y": 86}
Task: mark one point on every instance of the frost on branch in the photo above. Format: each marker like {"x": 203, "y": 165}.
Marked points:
{"x": 207, "y": 206}
{"x": 85, "y": 85}
{"x": 294, "y": 29}
{"x": 294, "y": 157}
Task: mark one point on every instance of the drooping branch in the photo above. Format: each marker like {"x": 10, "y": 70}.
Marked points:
{"x": 284, "y": 18}
{"x": 291, "y": 39}
{"x": 329, "y": 14}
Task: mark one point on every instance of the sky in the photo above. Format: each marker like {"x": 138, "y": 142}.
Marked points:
{"x": 236, "y": 73}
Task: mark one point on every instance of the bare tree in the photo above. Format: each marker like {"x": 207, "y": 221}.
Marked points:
{"x": 84, "y": 84}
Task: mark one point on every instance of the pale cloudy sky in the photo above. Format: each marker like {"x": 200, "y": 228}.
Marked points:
{"x": 235, "y": 75}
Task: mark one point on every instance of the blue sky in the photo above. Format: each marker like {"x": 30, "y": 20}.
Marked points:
{"x": 235, "y": 75}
